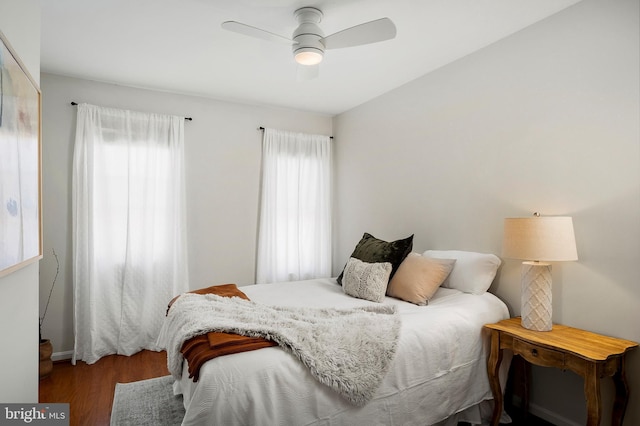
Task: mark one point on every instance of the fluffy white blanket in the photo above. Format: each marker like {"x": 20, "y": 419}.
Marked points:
{"x": 349, "y": 350}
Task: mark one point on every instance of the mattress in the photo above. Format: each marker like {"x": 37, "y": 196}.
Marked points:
{"x": 439, "y": 368}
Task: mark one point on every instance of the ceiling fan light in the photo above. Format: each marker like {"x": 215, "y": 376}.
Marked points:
{"x": 308, "y": 56}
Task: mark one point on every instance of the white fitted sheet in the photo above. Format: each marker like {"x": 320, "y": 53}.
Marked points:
{"x": 439, "y": 368}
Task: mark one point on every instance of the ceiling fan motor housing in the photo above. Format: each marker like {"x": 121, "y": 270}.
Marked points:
{"x": 307, "y": 37}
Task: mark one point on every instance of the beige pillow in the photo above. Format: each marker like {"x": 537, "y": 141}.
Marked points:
{"x": 418, "y": 278}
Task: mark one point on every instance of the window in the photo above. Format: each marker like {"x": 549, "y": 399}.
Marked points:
{"x": 294, "y": 241}
{"x": 129, "y": 228}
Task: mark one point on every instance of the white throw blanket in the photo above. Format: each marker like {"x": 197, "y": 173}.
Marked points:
{"x": 349, "y": 350}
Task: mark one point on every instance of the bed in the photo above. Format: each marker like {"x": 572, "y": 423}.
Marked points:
{"x": 436, "y": 376}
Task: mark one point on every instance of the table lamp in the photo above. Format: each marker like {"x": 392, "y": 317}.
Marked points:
{"x": 538, "y": 240}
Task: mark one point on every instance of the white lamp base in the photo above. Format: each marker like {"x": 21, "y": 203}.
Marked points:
{"x": 536, "y": 296}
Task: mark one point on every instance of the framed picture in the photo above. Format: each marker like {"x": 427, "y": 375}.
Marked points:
{"x": 20, "y": 181}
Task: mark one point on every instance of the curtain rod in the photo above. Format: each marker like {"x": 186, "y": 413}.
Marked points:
{"x": 186, "y": 118}
{"x": 262, "y": 128}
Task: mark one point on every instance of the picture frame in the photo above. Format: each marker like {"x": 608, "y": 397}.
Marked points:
{"x": 20, "y": 163}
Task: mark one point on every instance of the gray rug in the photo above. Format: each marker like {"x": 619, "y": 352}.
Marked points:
{"x": 147, "y": 402}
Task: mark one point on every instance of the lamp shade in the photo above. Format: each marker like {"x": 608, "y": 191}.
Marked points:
{"x": 538, "y": 238}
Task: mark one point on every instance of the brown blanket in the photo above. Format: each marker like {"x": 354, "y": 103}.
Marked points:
{"x": 201, "y": 349}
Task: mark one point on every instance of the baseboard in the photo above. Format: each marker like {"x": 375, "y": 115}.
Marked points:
{"x": 550, "y": 416}
{"x": 61, "y": 356}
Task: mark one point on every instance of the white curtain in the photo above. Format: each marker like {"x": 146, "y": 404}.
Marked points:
{"x": 129, "y": 228}
{"x": 294, "y": 237}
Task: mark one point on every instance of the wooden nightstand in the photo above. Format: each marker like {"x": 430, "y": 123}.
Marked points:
{"x": 590, "y": 355}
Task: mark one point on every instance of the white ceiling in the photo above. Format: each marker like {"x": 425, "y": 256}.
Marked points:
{"x": 179, "y": 46}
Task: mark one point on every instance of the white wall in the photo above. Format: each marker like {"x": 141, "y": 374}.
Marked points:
{"x": 20, "y": 23}
{"x": 222, "y": 155}
{"x": 546, "y": 120}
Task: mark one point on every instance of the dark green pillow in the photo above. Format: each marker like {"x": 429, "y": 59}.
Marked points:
{"x": 372, "y": 250}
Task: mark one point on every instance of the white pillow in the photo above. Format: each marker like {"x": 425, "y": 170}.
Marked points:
{"x": 366, "y": 280}
{"x": 472, "y": 273}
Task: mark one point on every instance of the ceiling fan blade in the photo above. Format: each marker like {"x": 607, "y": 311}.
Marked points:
{"x": 250, "y": 31}
{"x": 369, "y": 32}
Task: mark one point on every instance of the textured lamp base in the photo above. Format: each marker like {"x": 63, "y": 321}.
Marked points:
{"x": 536, "y": 296}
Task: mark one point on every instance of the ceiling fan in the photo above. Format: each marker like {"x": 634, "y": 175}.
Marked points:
{"x": 309, "y": 42}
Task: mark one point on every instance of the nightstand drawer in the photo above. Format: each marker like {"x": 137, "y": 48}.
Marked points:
{"x": 537, "y": 355}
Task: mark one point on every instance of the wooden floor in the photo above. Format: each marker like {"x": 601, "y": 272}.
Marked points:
{"x": 89, "y": 388}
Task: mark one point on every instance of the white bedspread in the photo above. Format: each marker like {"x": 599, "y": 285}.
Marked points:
{"x": 439, "y": 368}
{"x": 349, "y": 350}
